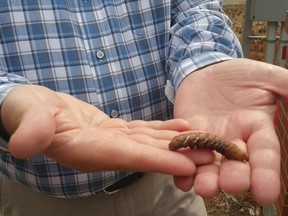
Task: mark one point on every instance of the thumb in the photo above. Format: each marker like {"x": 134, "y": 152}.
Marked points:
{"x": 29, "y": 122}
{"x": 259, "y": 74}
{"x": 33, "y": 134}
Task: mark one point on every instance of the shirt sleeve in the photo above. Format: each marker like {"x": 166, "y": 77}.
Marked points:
{"x": 8, "y": 81}
{"x": 200, "y": 35}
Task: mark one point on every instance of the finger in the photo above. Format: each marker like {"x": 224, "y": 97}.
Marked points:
{"x": 151, "y": 136}
{"x": 94, "y": 151}
{"x": 199, "y": 157}
{"x": 156, "y": 129}
{"x": 148, "y": 135}
{"x": 273, "y": 79}
{"x": 264, "y": 151}
{"x": 173, "y": 124}
{"x": 150, "y": 159}
{"x": 156, "y": 138}
{"x": 261, "y": 75}
{"x": 206, "y": 180}
{"x": 151, "y": 141}
{"x": 235, "y": 175}
{"x": 184, "y": 183}
{"x": 156, "y": 134}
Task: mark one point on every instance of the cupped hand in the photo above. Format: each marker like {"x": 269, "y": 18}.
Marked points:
{"x": 236, "y": 100}
{"x": 81, "y": 137}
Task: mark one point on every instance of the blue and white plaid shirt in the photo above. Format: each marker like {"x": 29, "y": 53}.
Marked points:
{"x": 119, "y": 55}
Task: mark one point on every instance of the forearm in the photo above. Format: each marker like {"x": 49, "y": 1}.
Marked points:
{"x": 201, "y": 35}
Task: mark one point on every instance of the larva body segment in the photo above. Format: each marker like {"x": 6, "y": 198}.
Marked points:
{"x": 206, "y": 140}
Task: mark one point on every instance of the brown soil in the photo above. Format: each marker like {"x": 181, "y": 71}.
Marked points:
{"x": 242, "y": 204}
{"x": 257, "y": 47}
{"x": 228, "y": 205}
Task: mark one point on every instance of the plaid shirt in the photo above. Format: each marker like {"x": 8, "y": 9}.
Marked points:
{"x": 119, "y": 55}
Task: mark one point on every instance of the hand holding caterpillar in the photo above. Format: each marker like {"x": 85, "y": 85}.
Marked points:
{"x": 206, "y": 140}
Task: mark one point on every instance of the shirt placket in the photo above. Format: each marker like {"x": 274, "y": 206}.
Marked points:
{"x": 105, "y": 62}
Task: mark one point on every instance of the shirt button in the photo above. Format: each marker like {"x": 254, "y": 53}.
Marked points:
{"x": 100, "y": 54}
{"x": 114, "y": 113}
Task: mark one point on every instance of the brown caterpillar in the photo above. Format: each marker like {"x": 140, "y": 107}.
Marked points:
{"x": 206, "y": 140}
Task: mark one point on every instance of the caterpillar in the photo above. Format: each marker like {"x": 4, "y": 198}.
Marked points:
{"x": 206, "y": 140}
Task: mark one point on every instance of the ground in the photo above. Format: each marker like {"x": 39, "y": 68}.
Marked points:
{"x": 225, "y": 205}
{"x": 242, "y": 204}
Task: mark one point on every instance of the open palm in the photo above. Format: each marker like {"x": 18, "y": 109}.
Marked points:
{"x": 237, "y": 100}
{"x": 80, "y": 136}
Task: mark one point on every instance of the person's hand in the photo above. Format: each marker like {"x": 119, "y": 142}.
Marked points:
{"x": 236, "y": 100}
{"x": 80, "y": 136}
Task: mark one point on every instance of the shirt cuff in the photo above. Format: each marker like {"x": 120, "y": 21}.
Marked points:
{"x": 4, "y": 136}
{"x": 5, "y": 89}
{"x": 188, "y": 66}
